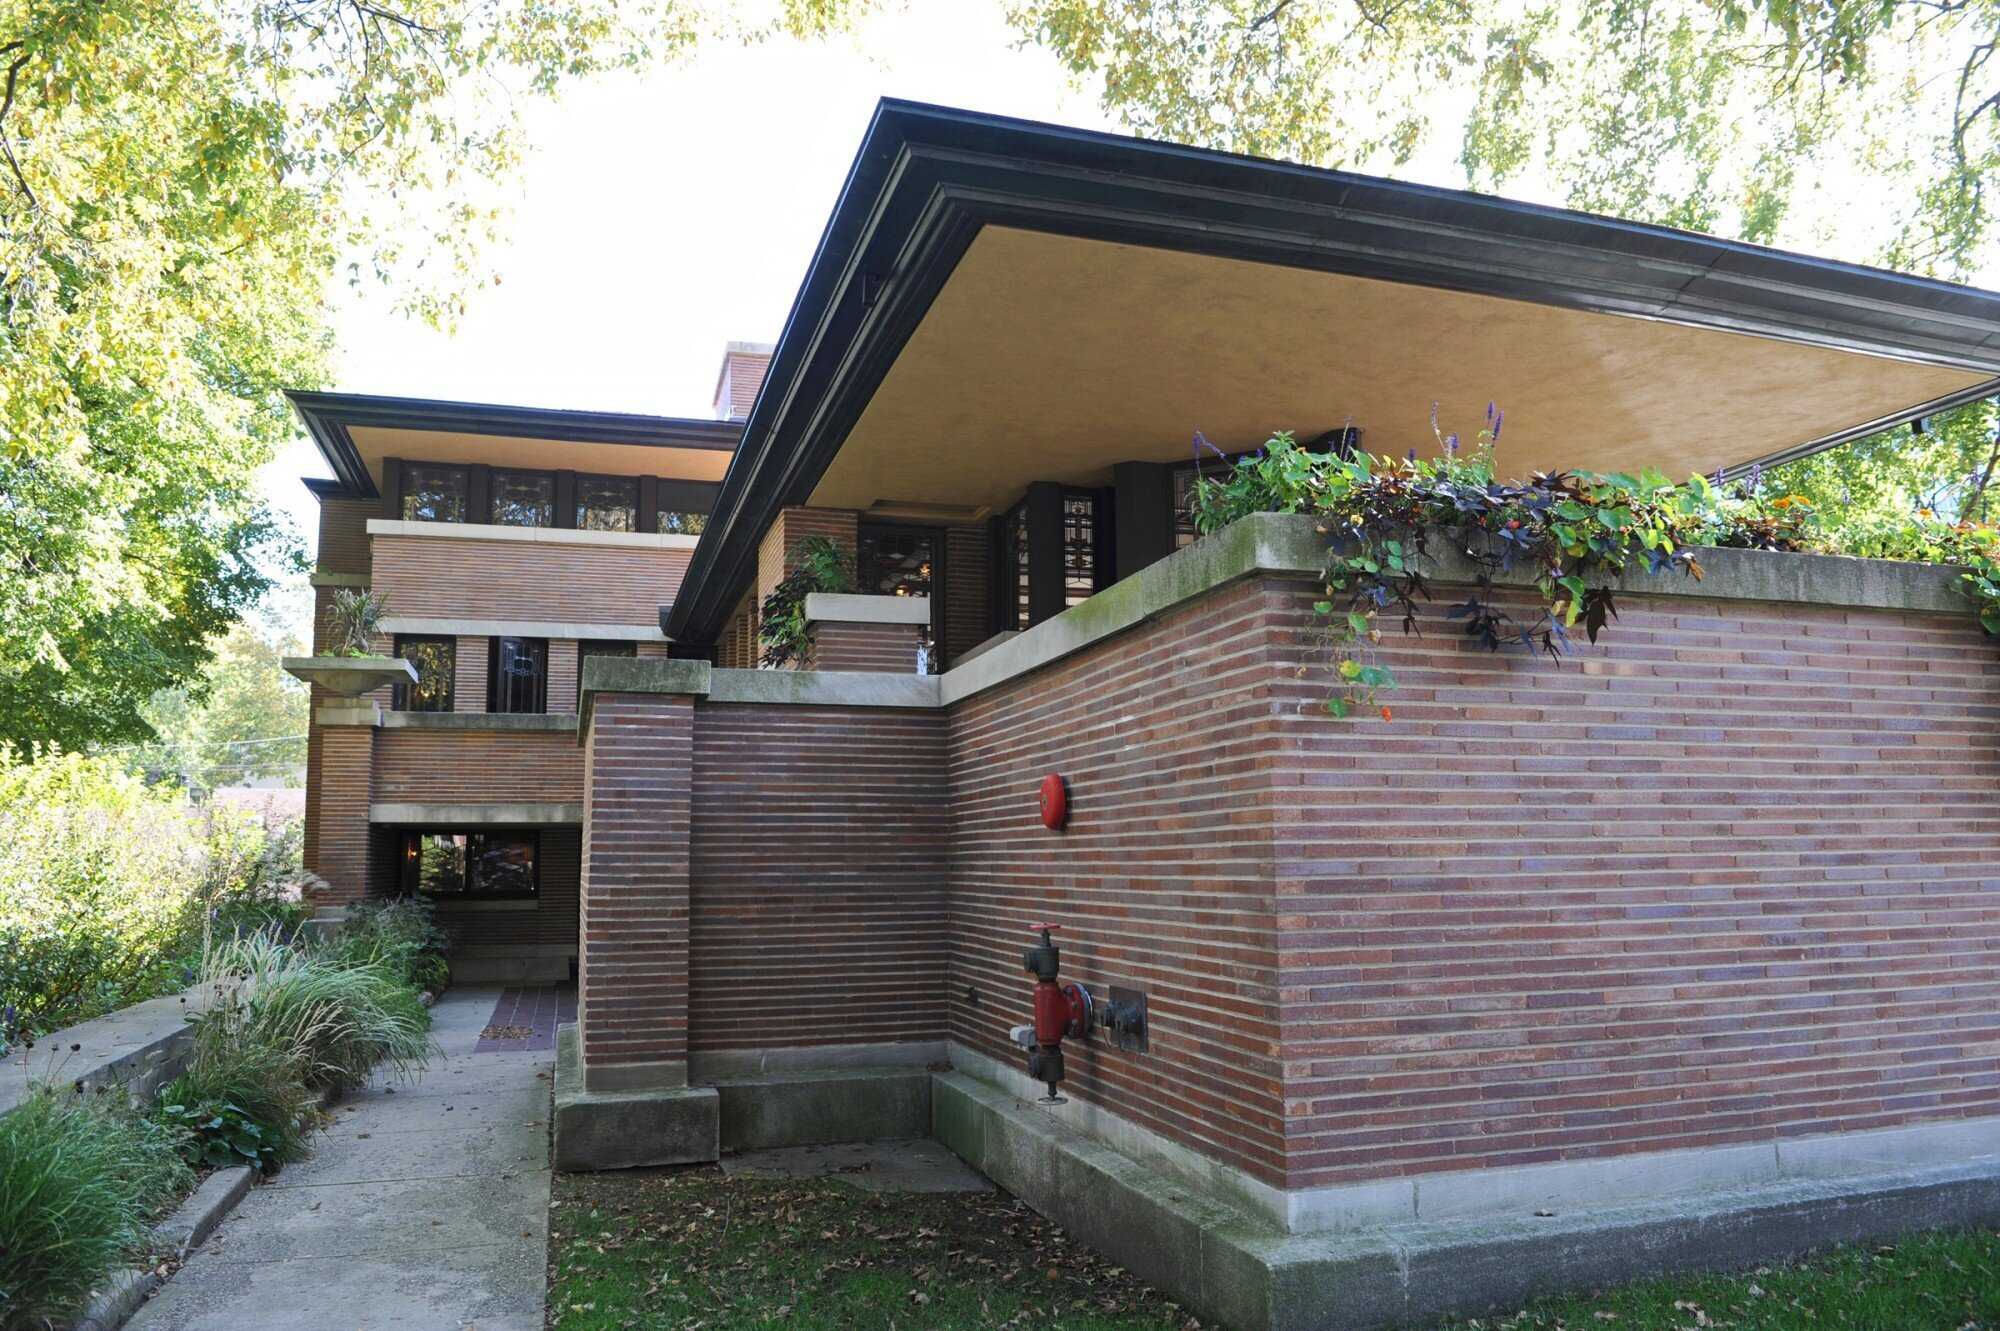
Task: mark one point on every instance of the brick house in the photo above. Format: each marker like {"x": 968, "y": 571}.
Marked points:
{"x": 1683, "y": 952}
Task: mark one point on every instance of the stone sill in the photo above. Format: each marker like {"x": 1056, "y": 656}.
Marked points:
{"x": 520, "y": 628}
{"x": 484, "y": 531}
{"x": 485, "y": 722}
{"x": 848, "y": 608}
{"x": 513, "y": 813}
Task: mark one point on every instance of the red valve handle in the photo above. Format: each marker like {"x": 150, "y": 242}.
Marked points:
{"x": 1043, "y": 928}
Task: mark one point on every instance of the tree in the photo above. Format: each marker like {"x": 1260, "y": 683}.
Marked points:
{"x": 242, "y": 718}
{"x": 180, "y": 182}
{"x": 1862, "y": 129}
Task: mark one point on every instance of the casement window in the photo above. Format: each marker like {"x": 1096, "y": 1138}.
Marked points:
{"x": 471, "y": 865}
{"x": 435, "y": 494}
{"x": 517, "y": 675}
{"x": 524, "y": 499}
{"x": 436, "y": 660}
{"x": 681, "y": 522}
{"x": 894, "y": 560}
{"x": 681, "y": 508}
{"x": 607, "y": 503}
{"x": 1052, "y": 552}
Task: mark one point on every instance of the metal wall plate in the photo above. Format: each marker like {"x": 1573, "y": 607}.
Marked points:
{"x": 1124, "y": 1019}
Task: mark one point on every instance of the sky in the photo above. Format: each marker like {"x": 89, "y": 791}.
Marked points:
{"x": 663, "y": 216}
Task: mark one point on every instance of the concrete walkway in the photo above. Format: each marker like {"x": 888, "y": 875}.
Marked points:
{"x": 425, "y": 1206}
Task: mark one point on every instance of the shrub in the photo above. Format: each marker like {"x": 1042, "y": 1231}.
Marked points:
{"x": 401, "y": 933}
{"x": 239, "y": 1075}
{"x": 98, "y": 876}
{"x": 784, "y": 632}
{"x": 106, "y": 885}
{"x": 80, "y": 1178}
{"x": 337, "y": 1018}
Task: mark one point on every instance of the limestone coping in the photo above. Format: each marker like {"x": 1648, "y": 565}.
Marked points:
{"x": 333, "y": 578}
{"x": 850, "y": 608}
{"x": 350, "y": 676}
{"x": 487, "y": 531}
{"x": 505, "y": 722}
{"x": 506, "y": 813}
{"x": 1283, "y": 544}
{"x": 520, "y": 628}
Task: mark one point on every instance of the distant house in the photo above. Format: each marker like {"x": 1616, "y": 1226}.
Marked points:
{"x": 1683, "y": 954}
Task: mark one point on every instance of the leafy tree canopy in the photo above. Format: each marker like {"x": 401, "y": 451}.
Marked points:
{"x": 180, "y": 181}
{"x": 1862, "y": 129}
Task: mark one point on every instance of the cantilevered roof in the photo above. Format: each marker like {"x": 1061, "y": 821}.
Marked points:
{"x": 355, "y": 431}
{"x": 995, "y": 302}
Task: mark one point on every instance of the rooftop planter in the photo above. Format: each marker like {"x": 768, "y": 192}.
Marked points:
{"x": 350, "y": 676}
{"x": 1390, "y": 529}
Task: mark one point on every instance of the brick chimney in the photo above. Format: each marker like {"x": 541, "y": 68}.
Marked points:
{"x": 743, "y": 368}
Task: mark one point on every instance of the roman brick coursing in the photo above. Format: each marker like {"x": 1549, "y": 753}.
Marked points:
{"x": 340, "y": 767}
{"x": 477, "y": 767}
{"x": 1163, "y": 879}
{"x": 343, "y": 534}
{"x": 967, "y": 592}
{"x": 889, "y": 648}
{"x": 451, "y": 577}
{"x": 1726, "y": 876}
{"x": 633, "y": 959}
{"x": 818, "y": 876}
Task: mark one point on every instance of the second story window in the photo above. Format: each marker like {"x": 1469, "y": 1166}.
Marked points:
{"x": 524, "y": 499}
{"x": 681, "y": 522}
{"x": 518, "y": 675}
{"x": 434, "y": 494}
{"x": 607, "y": 503}
{"x": 435, "y": 660}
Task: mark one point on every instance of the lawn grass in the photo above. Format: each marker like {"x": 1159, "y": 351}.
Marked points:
{"x": 1943, "y": 1281}
{"x": 675, "y": 1250}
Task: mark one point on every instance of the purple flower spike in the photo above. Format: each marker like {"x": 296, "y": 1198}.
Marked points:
{"x": 1756, "y": 477}
{"x": 1450, "y": 444}
{"x": 1201, "y": 442}
{"x": 1410, "y": 456}
{"x": 1498, "y": 417}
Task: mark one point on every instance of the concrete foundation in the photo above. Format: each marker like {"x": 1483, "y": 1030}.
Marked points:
{"x": 626, "y": 1129}
{"x": 1246, "y": 1272}
{"x": 820, "y": 1106}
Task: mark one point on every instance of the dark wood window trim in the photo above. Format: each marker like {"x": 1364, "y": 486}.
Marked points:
{"x": 407, "y": 473}
{"x": 403, "y": 700}
{"x": 585, "y": 479}
{"x": 523, "y": 694}
{"x": 686, "y": 504}
{"x": 409, "y": 862}
{"x": 535, "y": 473}
{"x": 940, "y": 570}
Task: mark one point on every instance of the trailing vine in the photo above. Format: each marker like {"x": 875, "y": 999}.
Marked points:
{"x": 783, "y": 631}
{"x": 1572, "y": 532}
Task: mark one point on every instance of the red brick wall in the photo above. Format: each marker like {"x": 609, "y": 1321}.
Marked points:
{"x": 455, "y": 578}
{"x": 891, "y": 648}
{"x": 343, "y": 534}
{"x": 339, "y": 763}
{"x": 1163, "y": 878}
{"x": 818, "y": 860}
{"x": 633, "y": 992}
{"x": 968, "y": 611}
{"x": 472, "y": 766}
{"x": 1726, "y": 876}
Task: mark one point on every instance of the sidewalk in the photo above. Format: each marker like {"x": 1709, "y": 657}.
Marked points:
{"x": 425, "y": 1206}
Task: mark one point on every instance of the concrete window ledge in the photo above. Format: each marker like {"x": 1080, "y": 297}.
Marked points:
{"x": 522, "y": 813}
{"x": 850, "y": 608}
{"x": 479, "y": 531}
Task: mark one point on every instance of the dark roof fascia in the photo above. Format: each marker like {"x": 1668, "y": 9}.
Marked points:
{"x": 328, "y": 417}
{"x": 926, "y": 179}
